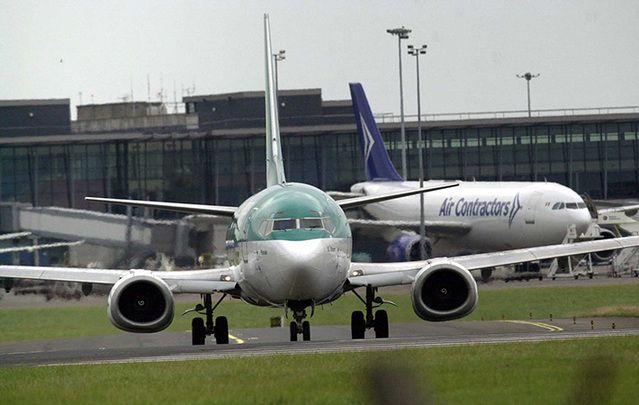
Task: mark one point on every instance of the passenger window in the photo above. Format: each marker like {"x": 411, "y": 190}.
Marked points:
{"x": 311, "y": 223}
{"x": 284, "y": 224}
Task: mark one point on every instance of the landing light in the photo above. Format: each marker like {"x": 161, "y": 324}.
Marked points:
{"x": 226, "y": 278}
{"x": 357, "y": 273}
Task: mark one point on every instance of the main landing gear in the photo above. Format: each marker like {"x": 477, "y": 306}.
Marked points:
{"x": 379, "y": 322}
{"x": 299, "y": 326}
{"x": 200, "y": 330}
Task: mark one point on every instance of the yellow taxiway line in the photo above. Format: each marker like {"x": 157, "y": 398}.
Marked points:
{"x": 542, "y": 325}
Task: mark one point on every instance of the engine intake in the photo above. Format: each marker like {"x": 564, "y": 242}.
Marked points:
{"x": 405, "y": 247}
{"x": 141, "y": 303}
{"x": 606, "y": 255}
{"x": 443, "y": 291}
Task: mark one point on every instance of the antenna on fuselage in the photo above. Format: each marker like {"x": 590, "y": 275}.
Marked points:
{"x": 274, "y": 163}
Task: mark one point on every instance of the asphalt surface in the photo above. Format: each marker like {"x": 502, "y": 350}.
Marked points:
{"x": 130, "y": 348}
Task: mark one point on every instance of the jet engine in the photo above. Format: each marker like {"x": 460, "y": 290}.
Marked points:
{"x": 141, "y": 303}
{"x": 606, "y": 255}
{"x": 442, "y": 291}
{"x": 405, "y": 247}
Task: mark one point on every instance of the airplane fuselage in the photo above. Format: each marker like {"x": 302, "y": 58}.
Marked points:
{"x": 290, "y": 243}
{"x": 500, "y": 215}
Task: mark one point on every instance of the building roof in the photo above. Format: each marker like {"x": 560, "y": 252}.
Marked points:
{"x": 34, "y": 102}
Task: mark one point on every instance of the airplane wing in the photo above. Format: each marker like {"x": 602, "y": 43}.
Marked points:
{"x": 625, "y": 209}
{"x": 438, "y": 228}
{"x": 387, "y": 274}
{"x": 203, "y": 281}
{"x": 368, "y": 199}
{"x": 221, "y": 210}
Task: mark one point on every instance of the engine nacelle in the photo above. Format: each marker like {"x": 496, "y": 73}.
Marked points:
{"x": 405, "y": 247}
{"x": 141, "y": 303}
{"x": 442, "y": 291}
{"x": 606, "y": 255}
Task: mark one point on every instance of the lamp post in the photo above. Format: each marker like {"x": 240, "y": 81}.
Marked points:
{"x": 402, "y": 33}
{"x": 528, "y": 76}
{"x": 420, "y": 149}
{"x": 278, "y": 57}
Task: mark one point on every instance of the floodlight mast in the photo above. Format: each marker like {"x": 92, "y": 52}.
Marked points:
{"x": 528, "y": 76}
{"x": 420, "y": 151}
{"x": 402, "y": 33}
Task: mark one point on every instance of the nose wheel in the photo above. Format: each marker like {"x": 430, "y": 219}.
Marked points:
{"x": 299, "y": 326}
{"x": 378, "y": 322}
{"x": 200, "y": 330}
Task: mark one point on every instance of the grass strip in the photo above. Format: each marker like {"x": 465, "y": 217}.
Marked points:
{"x": 600, "y": 370}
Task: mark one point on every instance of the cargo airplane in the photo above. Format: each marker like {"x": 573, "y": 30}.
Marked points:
{"x": 476, "y": 217}
{"x": 289, "y": 246}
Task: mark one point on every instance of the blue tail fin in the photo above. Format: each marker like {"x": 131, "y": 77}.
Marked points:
{"x": 377, "y": 162}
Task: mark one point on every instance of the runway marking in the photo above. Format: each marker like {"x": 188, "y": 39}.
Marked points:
{"x": 237, "y": 339}
{"x": 340, "y": 347}
{"x": 542, "y": 325}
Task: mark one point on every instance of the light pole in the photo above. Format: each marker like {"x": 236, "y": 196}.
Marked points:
{"x": 402, "y": 33}
{"x": 420, "y": 151}
{"x": 278, "y": 57}
{"x": 528, "y": 76}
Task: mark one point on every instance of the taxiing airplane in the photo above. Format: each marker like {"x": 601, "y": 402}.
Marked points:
{"x": 477, "y": 216}
{"x": 290, "y": 247}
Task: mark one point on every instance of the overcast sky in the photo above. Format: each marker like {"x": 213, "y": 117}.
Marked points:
{"x": 586, "y": 51}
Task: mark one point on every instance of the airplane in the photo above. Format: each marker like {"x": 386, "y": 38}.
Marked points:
{"x": 477, "y": 216}
{"x": 289, "y": 246}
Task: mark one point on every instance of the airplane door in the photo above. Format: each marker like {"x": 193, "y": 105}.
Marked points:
{"x": 531, "y": 207}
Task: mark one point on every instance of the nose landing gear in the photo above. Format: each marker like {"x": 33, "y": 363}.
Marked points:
{"x": 299, "y": 326}
{"x": 200, "y": 330}
{"x": 378, "y": 322}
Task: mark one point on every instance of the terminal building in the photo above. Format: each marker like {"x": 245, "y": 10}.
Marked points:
{"x": 213, "y": 152}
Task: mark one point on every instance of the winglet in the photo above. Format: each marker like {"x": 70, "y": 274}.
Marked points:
{"x": 377, "y": 162}
{"x": 274, "y": 163}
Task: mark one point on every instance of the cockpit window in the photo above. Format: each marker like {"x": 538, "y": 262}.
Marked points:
{"x": 311, "y": 223}
{"x": 328, "y": 225}
{"x": 284, "y": 224}
{"x": 287, "y": 224}
{"x": 568, "y": 205}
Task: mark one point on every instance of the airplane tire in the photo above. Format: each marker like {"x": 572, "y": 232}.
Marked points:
{"x": 306, "y": 331}
{"x": 221, "y": 330}
{"x": 358, "y": 325}
{"x": 381, "y": 324}
{"x": 198, "y": 332}
{"x": 293, "y": 329}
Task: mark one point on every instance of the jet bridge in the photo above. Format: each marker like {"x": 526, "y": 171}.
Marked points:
{"x": 121, "y": 234}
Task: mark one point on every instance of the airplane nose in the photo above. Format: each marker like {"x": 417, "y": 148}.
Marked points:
{"x": 582, "y": 220}
{"x": 304, "y": 268}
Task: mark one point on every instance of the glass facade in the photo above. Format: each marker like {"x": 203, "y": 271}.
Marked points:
{"x": 599, "y": 157}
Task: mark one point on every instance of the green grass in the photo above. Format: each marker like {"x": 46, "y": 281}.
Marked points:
{"x": 513, "y": 303}
{"x": 601, "y": 370}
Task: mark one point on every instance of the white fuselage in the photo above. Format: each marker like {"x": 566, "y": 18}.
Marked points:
{"x": 501, "y": 215}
